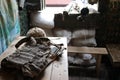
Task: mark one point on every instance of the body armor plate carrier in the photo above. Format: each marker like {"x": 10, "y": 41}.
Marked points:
{"x": 33, "y": 57}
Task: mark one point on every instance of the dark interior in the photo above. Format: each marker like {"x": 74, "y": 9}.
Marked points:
{"x": 106, "y": 24}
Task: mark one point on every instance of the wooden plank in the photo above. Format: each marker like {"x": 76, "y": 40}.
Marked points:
{"x": 60, "y": 67}
{"x": 90, "y": 50}
{"x": 98, "y": 64}
{"x": 114, "y": 52}
{"x": 47, "y": 73}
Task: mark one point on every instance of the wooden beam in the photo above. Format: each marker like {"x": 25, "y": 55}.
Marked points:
{"x": 90, "y": 50}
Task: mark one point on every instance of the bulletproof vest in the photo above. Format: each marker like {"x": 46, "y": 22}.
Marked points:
{"x": 33, "y": 57}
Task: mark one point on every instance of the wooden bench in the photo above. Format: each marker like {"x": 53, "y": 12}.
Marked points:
{"x": 114, "y": 54}
{"x": 91, "y": 50}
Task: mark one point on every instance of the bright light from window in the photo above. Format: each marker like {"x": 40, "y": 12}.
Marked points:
{"x": 57, "y": 2}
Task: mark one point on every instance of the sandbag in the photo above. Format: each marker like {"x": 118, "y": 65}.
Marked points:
{"x": 63, "y": 33}
{"x": 91, "y": 42}
{"x": 83, "y": 33}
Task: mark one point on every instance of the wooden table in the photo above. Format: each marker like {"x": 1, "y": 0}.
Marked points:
{"x": 114, "y": 53}
{"x": 58, "y": 70}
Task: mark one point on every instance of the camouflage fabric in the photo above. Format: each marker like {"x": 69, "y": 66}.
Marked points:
{"x": 32, "y": 59}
